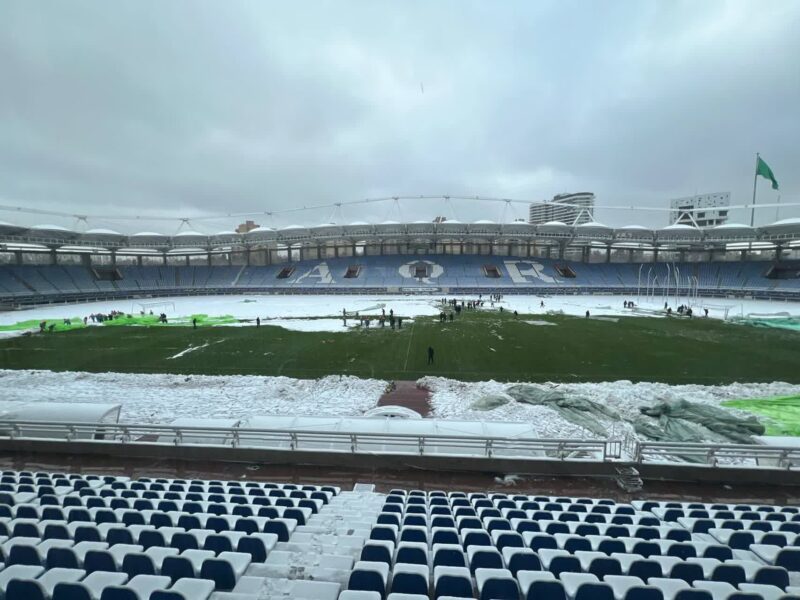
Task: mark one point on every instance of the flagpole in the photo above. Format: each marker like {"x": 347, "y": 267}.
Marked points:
{"x": 755, "y": 181}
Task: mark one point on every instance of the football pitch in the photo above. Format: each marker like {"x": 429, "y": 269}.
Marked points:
{"x": 476, "y": 346}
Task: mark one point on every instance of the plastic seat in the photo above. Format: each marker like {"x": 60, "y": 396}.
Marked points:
{"x": 410, "y": 579}
{"x": 688, "y": 572}
{"x": 496, "y": 584}
{"x": 541, "y": 585}
{"x": 138, "y": 588}
{"x": 369, "y": 576}
{"x": 186, "y": 589}
{"x": 521, "y": 559}
{"x": 733, "y": 574}
{"x": 377, "y": 551}
{"x": 601, "y": 567}
{"x": 90, "y": 588}
{"x": 225, "y": 569}
{"x": 447, "y": 555}
{"x": 415, "y": 553}
{"x": 146, "y": 563}
{"x": 41, "y": 588}
{"x": 454, "y": 582}
{"x": 482, "y": 557}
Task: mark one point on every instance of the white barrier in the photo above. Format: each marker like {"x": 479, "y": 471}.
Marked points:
{"x": 409, "y": 444}
{"x": 316, "y": 441}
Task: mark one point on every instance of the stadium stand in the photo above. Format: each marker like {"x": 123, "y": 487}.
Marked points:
{"x": 66, "y": 536}
{"x": 398, "y": 274}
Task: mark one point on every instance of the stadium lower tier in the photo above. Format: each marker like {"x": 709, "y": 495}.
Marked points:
{"x": 87, "y": 537}
{"x": 397, "y": 274}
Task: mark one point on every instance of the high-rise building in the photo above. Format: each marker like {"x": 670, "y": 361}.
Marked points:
{"x": 247, "y": 226}
{"x": 715, "y": 209}
{"x": 572, "y": 209}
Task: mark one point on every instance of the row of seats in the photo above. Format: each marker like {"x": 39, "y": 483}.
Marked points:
{"x": 380, "y": 272}
{"x": 108, "y": 538}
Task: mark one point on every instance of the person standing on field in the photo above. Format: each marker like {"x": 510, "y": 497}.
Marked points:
{"x": 430, "y": 355}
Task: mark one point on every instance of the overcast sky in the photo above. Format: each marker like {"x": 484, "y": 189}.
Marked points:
{"x": 203, "y": 108}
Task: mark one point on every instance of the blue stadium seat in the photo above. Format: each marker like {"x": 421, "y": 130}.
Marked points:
{"x": 369, "y": 576}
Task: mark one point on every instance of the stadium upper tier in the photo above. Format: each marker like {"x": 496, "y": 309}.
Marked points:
{"x": 53, "y": 236}
{"x": 445, "y": 274}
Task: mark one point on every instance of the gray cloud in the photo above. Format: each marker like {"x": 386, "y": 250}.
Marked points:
{"x": 197, "y": 108}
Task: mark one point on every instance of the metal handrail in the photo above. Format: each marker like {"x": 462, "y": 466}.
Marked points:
{"x": 626, "y": 450}
{"x": 718, "y": 455}
{"x": 300, "y": 440}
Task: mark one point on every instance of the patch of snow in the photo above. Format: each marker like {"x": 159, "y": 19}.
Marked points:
{"x": 158, "y": 398}
{"x": 451, "y": 399}
{"x": 540, "y": 323}
{"x": 250, "y": 306}
{"x": 188, "y": 350}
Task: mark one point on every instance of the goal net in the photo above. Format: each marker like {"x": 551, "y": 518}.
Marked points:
{"x": 718, "y": 309}
{"x": 156, "y": 307}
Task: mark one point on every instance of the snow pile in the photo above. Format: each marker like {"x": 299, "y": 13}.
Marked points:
{"x": 163, "y": 398}
{"x": 452, "y": 399}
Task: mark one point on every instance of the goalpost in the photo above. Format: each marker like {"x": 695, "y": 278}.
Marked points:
{"x": 156, "y": 307}
{"x": 724, "y": 308}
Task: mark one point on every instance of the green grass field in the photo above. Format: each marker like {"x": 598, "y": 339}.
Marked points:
{"x": 477, "y": 346}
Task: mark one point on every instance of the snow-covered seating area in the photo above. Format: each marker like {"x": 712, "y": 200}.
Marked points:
{"x": 105, "y": 537}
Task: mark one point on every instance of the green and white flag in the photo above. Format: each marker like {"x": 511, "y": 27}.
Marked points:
{"x": 763, "y": 169}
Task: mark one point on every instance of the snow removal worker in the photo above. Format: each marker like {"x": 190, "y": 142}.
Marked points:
{"x": 587, "y": 314}
{"x": 706, "y": 311}
{"x": 430, "y": 355}
{"x": 194, "y": 323}
{"x": 258, "y": 321}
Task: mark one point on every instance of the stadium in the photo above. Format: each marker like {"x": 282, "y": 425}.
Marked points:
{"x": 395, "y": 374}
{"x": 399, "y": 301}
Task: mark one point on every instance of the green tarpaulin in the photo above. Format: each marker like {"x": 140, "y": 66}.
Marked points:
{"x": 580, "y": 411}
{"x": 685, "y": 421}
{"x": 782, "y": 414}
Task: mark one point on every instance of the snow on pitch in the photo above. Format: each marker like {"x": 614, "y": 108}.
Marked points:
{"x": 291, "y": 311}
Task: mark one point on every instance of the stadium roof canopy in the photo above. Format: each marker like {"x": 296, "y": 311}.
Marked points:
{"x": 53, "y": 237}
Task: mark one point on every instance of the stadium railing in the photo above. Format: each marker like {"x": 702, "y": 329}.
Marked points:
{"x": 316, "y": 441}
{"x": 409, "y": 444}
{"x": 717, "y": 455}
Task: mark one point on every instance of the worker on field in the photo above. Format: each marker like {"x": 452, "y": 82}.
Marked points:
{"x": 430, "y": 355}
{"x": 706, "y": 311}
{"x": 391, "y": 321}
{"x": 42, "y": 325}
{"x": 258, "y": 321}
{"x": 194, "y": 323}
{"x": 587, "y": 314}
{"x": 399, "y": 322}
{"x": 451, "y": 317}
